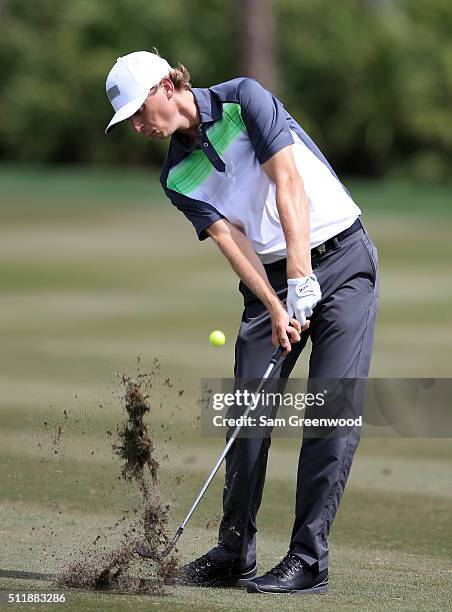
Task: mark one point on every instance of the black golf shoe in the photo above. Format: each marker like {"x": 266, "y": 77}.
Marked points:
{"x": 293, "y": 576}
{"x": 217, "y": 568}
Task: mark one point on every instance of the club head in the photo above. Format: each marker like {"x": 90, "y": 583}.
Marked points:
{"x": 166, "y": 551}
{"x": 143, "y": 551}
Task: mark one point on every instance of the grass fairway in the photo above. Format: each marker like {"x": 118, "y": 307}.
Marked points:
{"x": 97, "y": 269}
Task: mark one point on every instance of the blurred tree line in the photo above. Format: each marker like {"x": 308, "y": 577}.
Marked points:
{"x": 370, "y": 80}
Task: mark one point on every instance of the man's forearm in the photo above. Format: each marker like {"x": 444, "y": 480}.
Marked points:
{"x": 293, "y": 209}
{"x": 243, "y": 259}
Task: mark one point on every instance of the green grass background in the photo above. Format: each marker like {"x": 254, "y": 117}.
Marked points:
{"x": 98, "y": 268}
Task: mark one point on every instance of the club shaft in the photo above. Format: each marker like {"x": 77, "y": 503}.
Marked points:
{"x": 274, "y": 361}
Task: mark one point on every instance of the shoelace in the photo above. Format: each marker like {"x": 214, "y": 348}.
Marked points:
{"x": 202, "y": 563}
{"x": 287, "y": 567}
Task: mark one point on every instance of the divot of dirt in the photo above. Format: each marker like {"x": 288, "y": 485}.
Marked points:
{"x": 121, "y": 568}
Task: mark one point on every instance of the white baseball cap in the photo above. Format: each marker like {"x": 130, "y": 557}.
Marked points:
{"x": 129, "y": 81}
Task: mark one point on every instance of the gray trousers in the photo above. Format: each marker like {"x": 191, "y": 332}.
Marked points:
{"x": 341, "y": 332}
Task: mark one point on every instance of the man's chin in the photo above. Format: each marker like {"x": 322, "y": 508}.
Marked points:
{"x": 158, "y": 136}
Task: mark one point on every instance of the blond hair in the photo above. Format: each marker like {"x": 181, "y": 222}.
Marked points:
{"x": 180, "y": 77}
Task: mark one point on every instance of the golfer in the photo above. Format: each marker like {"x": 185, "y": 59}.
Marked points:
{"x": 245, "y": 174}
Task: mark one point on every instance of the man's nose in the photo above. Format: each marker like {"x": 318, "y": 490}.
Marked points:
{"x": 136, "y": 124}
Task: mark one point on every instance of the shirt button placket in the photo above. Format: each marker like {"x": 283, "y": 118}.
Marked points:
{"x": 210, "y": 151}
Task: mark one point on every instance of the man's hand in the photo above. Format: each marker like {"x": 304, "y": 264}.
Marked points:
{"x": 285, "y": 331}
{"x": 302, "y": 296}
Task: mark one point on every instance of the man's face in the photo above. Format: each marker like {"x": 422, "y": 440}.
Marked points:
{"x": 157, "y": 118}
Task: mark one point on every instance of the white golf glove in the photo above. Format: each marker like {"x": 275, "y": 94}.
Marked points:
{"x": 302, "y": 296}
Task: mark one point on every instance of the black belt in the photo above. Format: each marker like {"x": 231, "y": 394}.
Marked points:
{"x": 279, "y": 266}
{"x": 331, "y": 243}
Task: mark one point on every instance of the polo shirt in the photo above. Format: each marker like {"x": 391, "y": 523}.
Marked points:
{"x": 242, "y": 126}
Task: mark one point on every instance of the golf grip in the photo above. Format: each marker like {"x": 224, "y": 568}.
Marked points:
{"x": 273, "y": 362}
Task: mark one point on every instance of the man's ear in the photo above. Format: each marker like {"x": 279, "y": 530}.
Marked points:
{"x": 168, "y": 87}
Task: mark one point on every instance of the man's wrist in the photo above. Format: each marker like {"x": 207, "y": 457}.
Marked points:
{"x": 299, "y": 265}
{"x": 273, "y": 304}
{"x": 298, "y": 271}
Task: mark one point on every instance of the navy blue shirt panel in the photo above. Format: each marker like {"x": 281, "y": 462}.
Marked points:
{"x": 201, "y": 214}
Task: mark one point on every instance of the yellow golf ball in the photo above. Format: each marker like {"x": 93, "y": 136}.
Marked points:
{"x": 217, "y": 338}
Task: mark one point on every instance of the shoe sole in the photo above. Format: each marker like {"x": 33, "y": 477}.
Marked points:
{"x": 241, "y": 581}
{"x": 319, "y": 589}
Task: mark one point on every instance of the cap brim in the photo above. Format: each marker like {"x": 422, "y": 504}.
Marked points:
{"x": 126, "y": 111}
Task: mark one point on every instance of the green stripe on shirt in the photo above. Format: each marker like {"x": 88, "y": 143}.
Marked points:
{"x": 194, "y": 169}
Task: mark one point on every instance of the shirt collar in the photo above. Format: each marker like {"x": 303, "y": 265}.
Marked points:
{"x": 209, "y": 108}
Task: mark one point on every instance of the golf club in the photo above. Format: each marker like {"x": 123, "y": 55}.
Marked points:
{"x": 273, "y": 362}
